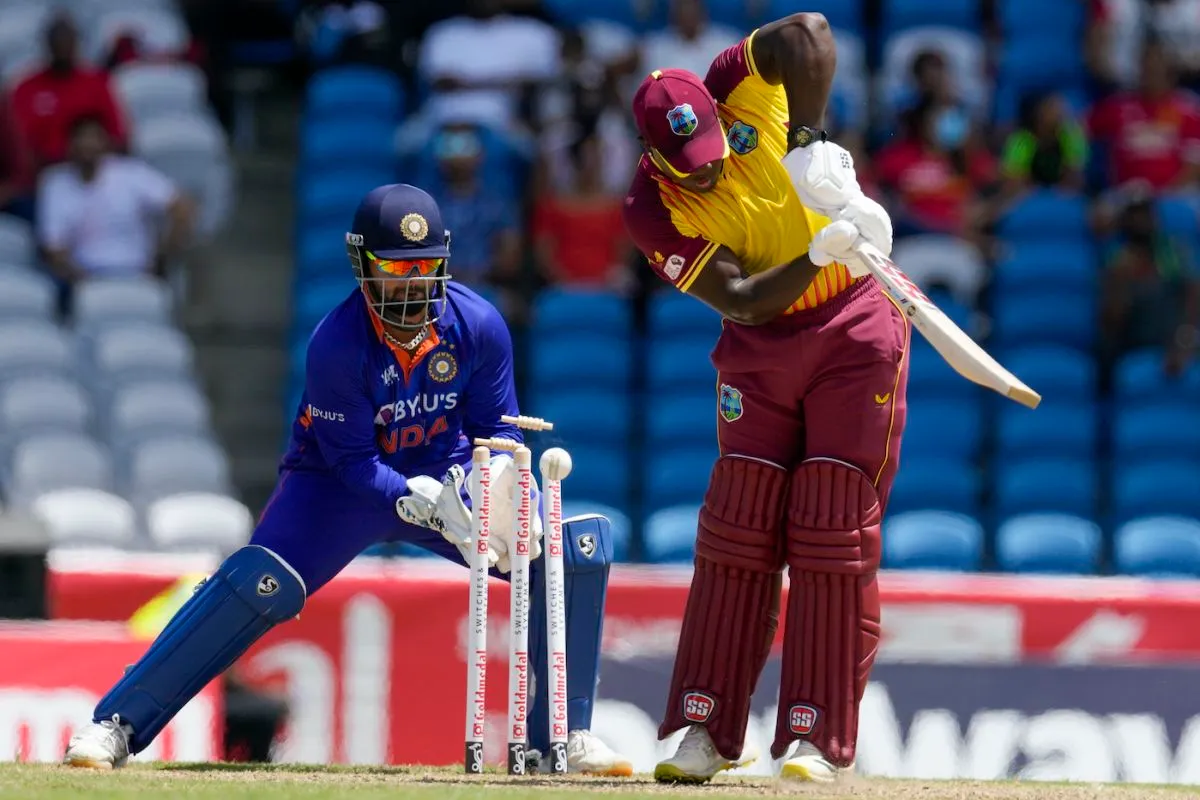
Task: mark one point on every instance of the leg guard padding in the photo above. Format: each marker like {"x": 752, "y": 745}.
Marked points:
{"x": 251, "y": 592}
{"x": 832, "y": 630}
{"x": 587, "y": 554}
{"x": 733, "y": 605}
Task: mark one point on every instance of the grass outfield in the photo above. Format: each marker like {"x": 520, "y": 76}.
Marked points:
{"x": 258, "y": 782}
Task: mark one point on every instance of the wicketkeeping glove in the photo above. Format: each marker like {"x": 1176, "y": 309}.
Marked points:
{"x": 504, "y": 535}
{"x": 439, "y": 506}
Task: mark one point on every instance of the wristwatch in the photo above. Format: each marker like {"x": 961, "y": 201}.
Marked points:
{"x": 803, "y": 136}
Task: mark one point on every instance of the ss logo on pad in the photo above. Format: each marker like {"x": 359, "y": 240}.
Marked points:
{"x": 267, "y": 586}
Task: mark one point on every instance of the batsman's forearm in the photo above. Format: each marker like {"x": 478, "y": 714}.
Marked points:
{"x": 768, "y": 294}
{"x": 799, "y": 52}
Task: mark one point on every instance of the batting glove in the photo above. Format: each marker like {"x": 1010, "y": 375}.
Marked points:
{"x": 872, "y": 221}
{"x": 823, "y": 176}
{"x": 835, "y": 242}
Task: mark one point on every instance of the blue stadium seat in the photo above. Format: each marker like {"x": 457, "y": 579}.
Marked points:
{"x": 672, "y": 314}
{"x": 1158, "y": 547}
{"x": 587, "y": 415}
{"x": 682, "y": 419}
{"x": 899, "y": 15}
{"x": 1032, "y": 62}
{"x": 1060, "y": 485}
{"x": 1067, "y": 319}
{"x": 348, "y": 142}
{"x": 331, "y": 198}
{"x": 939, "y": 428}
{"x": 559, "y": 312}
{"x": 1054, "y": 429}
{"x": 935, "y": 483}
{"x": 1155, "y": 488}
{"x": 1048, "y": 544}
{"x": 952, "y": 307}
{"x": 1069, "y": 264}
{"x": 1059, "y": 21}
{"x": 579, "y": 361}
{"x": 681, "y": 365}
{"x": 314, "y": 299}
{"x": 676, "y": 477}
{"x": 940, "y": 540}
{"x": 619, "y": 523}
{"x": 1159, "y": 430}
{"x": 844, "y": 15}
{"x": 358, "y": 92}
{"x": 600, "y": 475}
{"x": 734, "y": 13}
{"x": 1178, "y": 217}
{"x": 669, "y": 534}
{"x": 1140, "y": 379}
{"x": 931, "y": 378}
{"x": 1047, "y": 213}
{"x": 631, "y": 13}
{"x": 321, "y": 252}
{"x": 1057, "y": 373}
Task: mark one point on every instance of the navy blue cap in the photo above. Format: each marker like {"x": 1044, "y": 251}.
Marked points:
{"x": 398, "y": 221}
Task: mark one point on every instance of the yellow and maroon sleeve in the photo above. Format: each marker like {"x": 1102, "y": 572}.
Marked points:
{"x": 732, "y": 65}
{"x": 675, "y": 256}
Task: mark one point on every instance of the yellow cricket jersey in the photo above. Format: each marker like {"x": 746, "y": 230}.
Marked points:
{"x": 752, "y": 210}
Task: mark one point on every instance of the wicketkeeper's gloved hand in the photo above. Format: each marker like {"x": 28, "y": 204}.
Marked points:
{"x": 439, "y": 506}
{"x": 504, "y": 533}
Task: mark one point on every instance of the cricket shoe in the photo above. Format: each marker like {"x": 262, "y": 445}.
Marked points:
{"x": 587, "y": 754}
{"x": 100, "y": 745}
{"x": 807, "y": 764}
{"x": 696, "y": 760}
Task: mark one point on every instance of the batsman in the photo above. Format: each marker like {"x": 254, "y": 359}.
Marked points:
{"x": 401, "y": 376}
{"x": 741, "y": 201}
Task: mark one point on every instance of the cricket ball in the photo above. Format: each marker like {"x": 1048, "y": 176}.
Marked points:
{"x": 555, "y": 464}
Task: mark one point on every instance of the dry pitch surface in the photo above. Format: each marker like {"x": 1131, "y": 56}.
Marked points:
{"x": 237, "y": 781}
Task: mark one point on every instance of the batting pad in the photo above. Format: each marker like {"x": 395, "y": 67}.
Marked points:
{"x": 587, "y": 554}
{"x": 250, "y": 593}
{"x": 832, "y": 630}
{"x": 733, "y": 604}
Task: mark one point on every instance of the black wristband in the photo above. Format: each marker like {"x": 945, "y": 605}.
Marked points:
{"x": 803, "y": 136}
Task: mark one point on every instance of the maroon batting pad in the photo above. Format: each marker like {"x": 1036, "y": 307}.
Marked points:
{"x": 733, "y": 605}
{"x": 832, "y": 629}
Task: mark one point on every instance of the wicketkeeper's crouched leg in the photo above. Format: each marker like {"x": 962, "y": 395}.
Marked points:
{"x": 732, "y": 610}
{"x": 833, "y": 617}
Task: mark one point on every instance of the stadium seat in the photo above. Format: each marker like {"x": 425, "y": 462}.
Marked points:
{"x": 1158, "y": 547}
{"x": 677, "y": 476}
{"x": 354, "y": 91}
{"x": 192, "y": 151}
{"x": 86, "y": 518}
{"x": 327, "y": 200}
{"x": 321, "y": 250}
{"x": 164, "y": 26}
{"x": 54, "y": 461}
{"x": 600, "y": 475}
{"x": 17, "y": 242}
{"x": 35, "y": 348}
{"x": 1160, "y": 430}
{"x": 1068, "y": 320}
{"x": 900, "y": 15}
{"x": 121, "y": 300}
{"x": 674, "y": 315}
{"x": 670, "y": 535}
{"x": 848, "y": 108}
{"x": 938, "y": 540}
{"x": 584, "y": 415}
{"x": 43, "y": 405}
{"x": 1153, "y": 488}
{"x": 1177, "y": 217}
{"x": 1056, "y": 429}
{"x": 1058, "y": 485}
{"x": 619, "y": 524}
{"x": 933, "y": 260}
{"x": 1034, "y": 62}
{"x": 1057, "y": 373}
{"x": 844, "y": 15}
{"x": 1048, "y": 544}
{"x": 931, "y": 378}
{"x": 559, "y": 312}
{"x": 942, "y": 428}
{"x": 1047, "y": 213}
{"x": 630, "y": 13}
{"x": 352, "y": 143}
{"x": 1059, "y": 21}
{"x": 177, "y": 464}
{"x": 135, "y": 351}
{"x": 26, "y": 295}
{"x": 680, "y": 367}
{"x": 142, "y": 411}
{"x": 946, "y": 484}
{"x": 1140, "y": 378}
{"x": 199, "y": 521}
{"x": 959, "y": 312}
{"x": 579, "y": 361}
{"x": 1027, "y": 265}
{"x": 682, "y": 420}
{"x": 148, "y": 90}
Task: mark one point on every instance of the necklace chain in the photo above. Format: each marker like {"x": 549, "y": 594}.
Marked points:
{"x": 416, "y": 340}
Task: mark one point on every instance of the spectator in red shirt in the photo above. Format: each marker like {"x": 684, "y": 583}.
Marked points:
{"x": 46, "y": 103}
{"x": 1152, "y": 134}
{"x": 579, "y": 235}
{"x": 16, "y": 167}
{"x": 935, "y": 173}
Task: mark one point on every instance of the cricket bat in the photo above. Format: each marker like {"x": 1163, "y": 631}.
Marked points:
{"x": 959, "y": 350}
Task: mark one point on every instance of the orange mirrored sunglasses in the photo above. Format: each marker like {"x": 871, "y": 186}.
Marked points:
{"x": 407, "y": 268}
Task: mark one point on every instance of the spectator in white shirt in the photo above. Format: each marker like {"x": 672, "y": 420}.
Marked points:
{"x": 101, "y": 214}
{"x": 690, "y": 43}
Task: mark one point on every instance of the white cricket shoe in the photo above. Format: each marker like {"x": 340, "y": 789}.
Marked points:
{"x": 696, "y": 760}
{"x": 100, "y": 745}
{"x": 807, "y": 764}
{"x": 587, "y": 754}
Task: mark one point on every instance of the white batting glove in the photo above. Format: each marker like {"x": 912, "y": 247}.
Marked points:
{"x": 504, "y": 535}
{"x": 835, "y": 242}
{"x": 823, "y": 176}
{"x": 872, "y": 221}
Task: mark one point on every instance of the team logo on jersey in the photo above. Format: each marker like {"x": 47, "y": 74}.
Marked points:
{"x": 442, "y": 367}
{"x": 389, "y": 375}
{"x": 683, "y": 120}
{"x": 742, "y": 138}
{"x": 414, "y": 227}
{"x": 730, "y": 403}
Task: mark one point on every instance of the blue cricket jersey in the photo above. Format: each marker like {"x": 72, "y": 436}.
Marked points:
{"x": 373, "y": 414}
